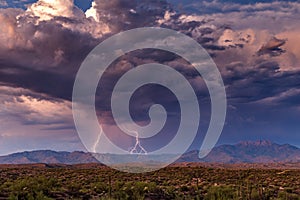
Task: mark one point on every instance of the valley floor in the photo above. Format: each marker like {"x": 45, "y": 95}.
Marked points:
{"x": 178, "y": 181}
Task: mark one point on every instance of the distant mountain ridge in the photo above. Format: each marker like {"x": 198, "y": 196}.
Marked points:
{"x": 243, "y": 152}
{"x": 262, "y": 151}
{"x": 48, "y": 156}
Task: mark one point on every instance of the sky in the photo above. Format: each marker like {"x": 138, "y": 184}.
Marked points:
{"x": 43, "y": 43}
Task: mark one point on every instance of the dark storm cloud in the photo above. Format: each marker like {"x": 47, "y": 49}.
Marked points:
{"x": 272, "y": 47}
{"x": 37, "y": 64}
{"x": 47, "y": 38}
{"x": 227, "y": 6}
{"x": 35, "y": 45}
{"x": 54, "y": 84}
{"x": 122, "y": 15}
{"x": 246, "y": 85}
{"x": 15, "y": 3}
{"x": 50, "y": 52}
{"x": 42, "y": 56}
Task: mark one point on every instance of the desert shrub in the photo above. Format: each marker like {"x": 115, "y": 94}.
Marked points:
{"x": 220, "y": 193}
{"x": 74, "y": 189}
{"x": 100, "y": 187}
{"x": 133, "y": 190}
{"x": 282, "y": 195}
{"x": 32, "y": 188}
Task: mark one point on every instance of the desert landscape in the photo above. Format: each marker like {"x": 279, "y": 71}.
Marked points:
{"x": 179, "y": 181}
{"x": 78, "y": 175}
{"x": 149, "y": 99}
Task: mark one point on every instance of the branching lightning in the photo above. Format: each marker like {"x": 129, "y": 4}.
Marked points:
{"x": 137, "y": 148}
{"x": 134, "y": 150}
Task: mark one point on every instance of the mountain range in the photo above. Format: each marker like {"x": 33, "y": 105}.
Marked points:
{"x": 248, "y": 152}
{"x": 243, "y": 152}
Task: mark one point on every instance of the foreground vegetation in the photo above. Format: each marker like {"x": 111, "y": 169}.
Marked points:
{"x": 177, "y": 182}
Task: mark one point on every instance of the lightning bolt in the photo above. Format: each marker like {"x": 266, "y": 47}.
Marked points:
{"x": 97, "y": 141}
{"x": 137, "y": 148}
{"x": 134, "y": 150}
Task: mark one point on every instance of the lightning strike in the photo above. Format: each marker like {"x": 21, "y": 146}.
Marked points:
{"x": 134, "y": 150}
{"x": 97, "y": 141}
{"x": 137, "y": 148}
